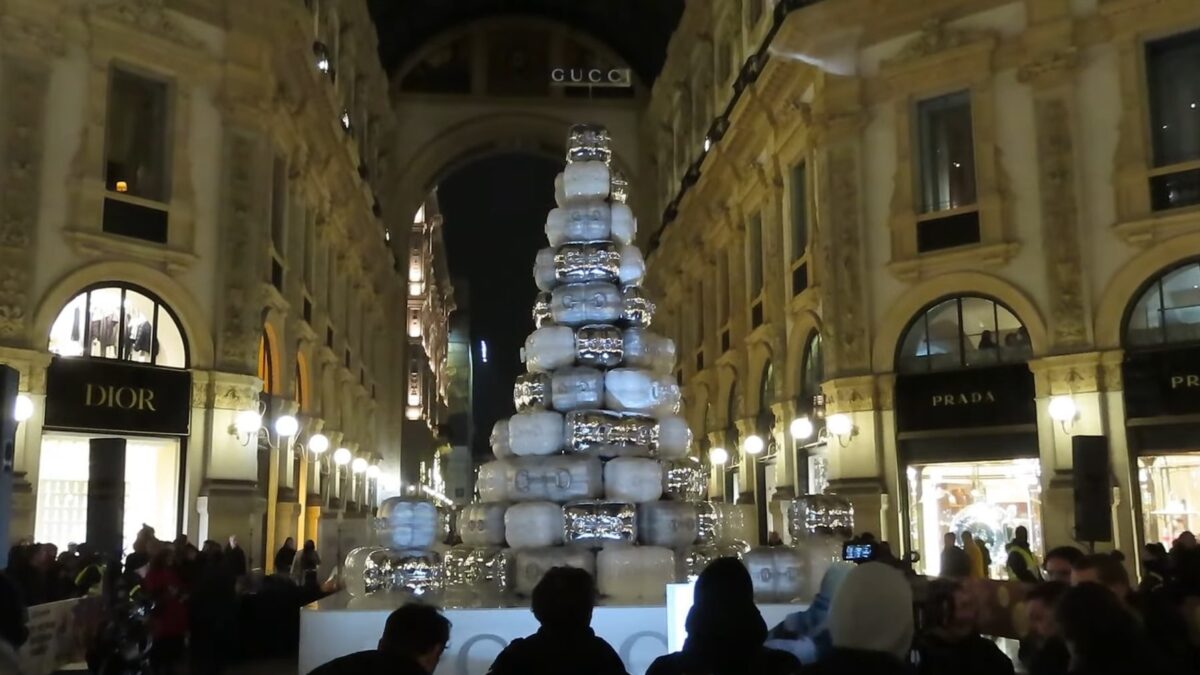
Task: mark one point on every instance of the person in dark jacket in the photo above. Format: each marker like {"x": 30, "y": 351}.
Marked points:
{"x": 1103, "y": 637}
{"x": 725, "y": 631}
{"x": 1022, "y": 564}
{"x": 235, "y": 557}
{"x": 285, "y": 556}
{"x": 955, "y": 562}
{"x": 870, "y": 624}
{"x": 562, "y": 602}
{"x": 952, "y": 644}
{"x": 1043, "y": 650}
{"x": 310, "y": 561}
{"x": 212, "y": 613}
{"x": 413, "y": 640}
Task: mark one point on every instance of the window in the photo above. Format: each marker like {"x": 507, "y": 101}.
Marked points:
{"x": 279, "y": 193}
{"x": 1174, "y": 87}
{"x": 266, "y": 364}
{"x": 1168, "y": 311}
{"x": 812, "y": 369}
{"x": 119, "y": 322}
{"x": 799, "y": 211}
{"x": 754, "y": 256}
{"x": 136, "y": 137}
{"x": 699, "y": 309}
{"x": 963, "y": 332}
{"x": 722, "y": 289}
{"x": 947, "y": 152}
{"x": 308, "y": 247}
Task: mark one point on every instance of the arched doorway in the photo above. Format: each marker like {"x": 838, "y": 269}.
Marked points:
{"x": 967, "y": 428}
{"x": 1161, "y": 379}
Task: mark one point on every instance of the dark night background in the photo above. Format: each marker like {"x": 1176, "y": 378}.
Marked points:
{"x": 494, "y": 211}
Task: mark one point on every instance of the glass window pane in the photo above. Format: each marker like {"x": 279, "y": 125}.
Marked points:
{"x": 946, "y": 151}
{"x": 1174, "y": 98}
{"x": 1181, "y": 297}
{"x": 1145, "y": 320}
{"x": 67, "y": 331}
{"x": 171, "y": 349}
{"x": 979, "y": 332}
{"x": 942, "y": 344}
{"x": 104, "y": 323}
{"x": 1170, "y": 488}
{"x": 754, "y": 255}
{"x": 139, "y": 327}
{"x": 136, "y": 137}
{"x": 814, "y": 369}
{"x": 1012, "y": 337}
{"x": 799, "y": 211}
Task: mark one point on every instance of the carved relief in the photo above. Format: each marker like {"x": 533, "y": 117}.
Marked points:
{"x": 1060, "y": 221}
{"x": 241, "y": 328}
{"x": 935, "y": 36}
{"x": 149, "y": 16}
{"x": 846, "y": 320}
{"x": 22, "y": 119}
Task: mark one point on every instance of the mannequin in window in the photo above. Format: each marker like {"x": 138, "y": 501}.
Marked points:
{"x": 105, "y": 326}
{"x": 986, "y": 340}
{"x": 140, "y": 338}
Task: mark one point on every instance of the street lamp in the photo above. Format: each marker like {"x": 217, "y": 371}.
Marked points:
{"x": 753, "y": 444}
{"x": 1063, "y": 410}
{"x": 718, "y": 455}
{"x": 318, "y": 443}
{"x": 287, "y": 426}
{"x": 842, "y": 426}
{"x": 802, "y": 428}
{"x": 22, "y": 408}
{"x": 342, "y": 456}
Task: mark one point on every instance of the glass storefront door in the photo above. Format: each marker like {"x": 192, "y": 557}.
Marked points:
{"x": 151, "y": 488}
{"x": 1170, "y": 491}
{"x": 989, "y": 499}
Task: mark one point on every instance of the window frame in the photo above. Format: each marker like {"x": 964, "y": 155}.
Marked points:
{"x": 159, "y": 306}
{"x": 1155, "y": 169}
{"x": 170, "y": 91}
{"x": 903, "y": 365}
{"x": 1152, "y": 284}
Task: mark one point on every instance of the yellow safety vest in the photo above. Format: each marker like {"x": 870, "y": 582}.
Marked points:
{"x": 1030, "y": 562}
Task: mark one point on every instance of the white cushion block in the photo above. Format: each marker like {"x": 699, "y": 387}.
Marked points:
{"x": 584, "y": 303}
{"x": 624, "y": 225}
{"x": 482, "y": 524}
{"x": 735, "y": 523}
{"x": 560, "y": 197}
{"x": 543, "y": 269}
{"x": 644, "y": 349}
{"x": 499, "y": 440}
{"x": 635, "y": 573}
{"x": 586, "y": 221}
{"x": 533, "y": 563}
{"x": 674, "y": 437}
{"x": 533, "y": 524}
{"x": 633, "y": 266}
{"x": 585, "y": 180}
{"x": 779, "y": 573}
{"x": 558, "y": 478}
{"x": 577, "y": 388}
{"x": 669, "y": 524}
{"x": 492, "y": 481}
{"x": 537, "y": 432}
{"x": 640, "y": 391}
{"x": 548, "y": 348}
{"x": 407, "y": 523}
{"x": 633, "y": 479}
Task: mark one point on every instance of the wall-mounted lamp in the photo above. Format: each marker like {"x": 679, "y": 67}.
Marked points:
{"x": 802, "y": 428}
{"x": 374, "y": 472}
{"x": 1063, "y": 410}
{"x": 718, "y": 456}
{"x": 318, "y": 443}
{"x": 287, "y": 426}
{"x": 22, "y": 408}
{"x": 342, "y": 456}
{"x": 359, "y": 465}
{"x": 753, "y": 444}
{"x": 841, "y": 426}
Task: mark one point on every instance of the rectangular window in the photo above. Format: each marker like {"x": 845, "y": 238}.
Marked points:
{"x": 699, "y": 307}
{"x": 722, "y": 289}
{"x": 799, "y": 211}
{"x": 946, "y": 152}
{"x": 754, "y": 256}
{"x": 308, "y": 246}
{"x": 1174, "y": 84}
{"x": 279, "y": 191}
{"x": 136, "y": 137}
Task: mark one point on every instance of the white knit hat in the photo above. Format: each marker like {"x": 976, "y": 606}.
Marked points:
{"x": 873, "y": 611}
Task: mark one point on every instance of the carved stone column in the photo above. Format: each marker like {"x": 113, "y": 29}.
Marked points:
{"x": 856, "y": 470}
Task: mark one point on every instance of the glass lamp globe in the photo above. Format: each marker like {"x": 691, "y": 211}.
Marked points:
{"x": 373, "y": 472}
{"x": 839, "y": 424}
{"x": 248, "y": 422}
{"x": 342, "y": 456}
{"x": 753, "y": 444}
{"x": 318, "y": 443}
{"x": 1063, "y": 408}
{"x": 22, "y": 408}
{"x": 287, "y": 426}
{"x": 718, "y": 456}
{"x": 359, "y": 465}
{"x": 801, "y": 428}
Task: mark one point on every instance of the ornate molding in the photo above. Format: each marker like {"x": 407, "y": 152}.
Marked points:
{"x": 1051, "y": 68}
{"x": 935, "y": 37}
{"x": 147, "y": 16}
{"x": 1079, "y": 373}
{"x": 850, "y": 394}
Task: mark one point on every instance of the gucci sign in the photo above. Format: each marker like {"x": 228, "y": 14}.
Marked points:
{"x": 591, "y": 77}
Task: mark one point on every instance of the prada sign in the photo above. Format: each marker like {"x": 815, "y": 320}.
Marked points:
{"x": 1162, "y": 383}
{"x": 97, "y": 395}
{"x": 591, "y": 77}
{"x": 979, "y": 397}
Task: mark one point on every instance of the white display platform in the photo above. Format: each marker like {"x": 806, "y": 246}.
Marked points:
{"x": 341, "y": 625}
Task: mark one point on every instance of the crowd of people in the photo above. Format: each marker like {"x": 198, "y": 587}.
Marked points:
{"x": 193, "y": 598}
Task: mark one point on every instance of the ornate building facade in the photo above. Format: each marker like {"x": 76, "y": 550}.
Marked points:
{"x": 191, "y": 212}
{"x": 938, "y": 257}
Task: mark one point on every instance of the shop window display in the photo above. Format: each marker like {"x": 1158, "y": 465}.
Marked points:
{"x": 1168, "y": 312}
{"x": 151, "y": 478}
{"x": 963, "y": 332}
{"x": 988, "y": 499}
{"x": 1170, "y": 489}
{"x": 116, "y": 322}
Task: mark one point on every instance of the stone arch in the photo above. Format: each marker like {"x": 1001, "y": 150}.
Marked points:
{"x": 1123, "y": 288}
{"x": 302, "y": 385}
{"x": 804, "y": 325}
{"x": 761, "y": 356}
{"x": 904, "y": 308}
{"x": 271, "y": 348}
{"x": 192, "y": 318}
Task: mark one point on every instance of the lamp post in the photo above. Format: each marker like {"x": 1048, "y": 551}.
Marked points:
{"x": 249, "y": 423}
{"x": 317, "y": 444}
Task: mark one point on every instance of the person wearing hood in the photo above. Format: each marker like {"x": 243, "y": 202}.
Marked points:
{"x": 562, "y": 602}
{"x": 952, "y": 644}
{"x": 725, "y": 631}
{"x": 805, "y": 634}
{"x": 870, "y": 624}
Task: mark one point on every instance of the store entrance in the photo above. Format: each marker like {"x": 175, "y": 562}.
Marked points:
{"x": 151, "y": 488}
{"x": 1170, "y": 492}
{"x": 988, "y": 499}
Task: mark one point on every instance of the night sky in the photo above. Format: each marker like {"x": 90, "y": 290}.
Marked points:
{"x": 494, "y": 212}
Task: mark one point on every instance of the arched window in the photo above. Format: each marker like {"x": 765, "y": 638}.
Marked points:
{"x": 266, "y": 364}
{"x": 1168, "y": 310}
{"x": 300, "y": 387}
{"x": 766, "y": 391}
{"x": 812, "y": 368}
{"x": 122, "y": 322}
{"x": 962, "y": 332}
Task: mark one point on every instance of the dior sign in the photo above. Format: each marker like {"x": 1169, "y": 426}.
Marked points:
{"x": 98, "y": 395}
{"x": 591, "y": 77}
